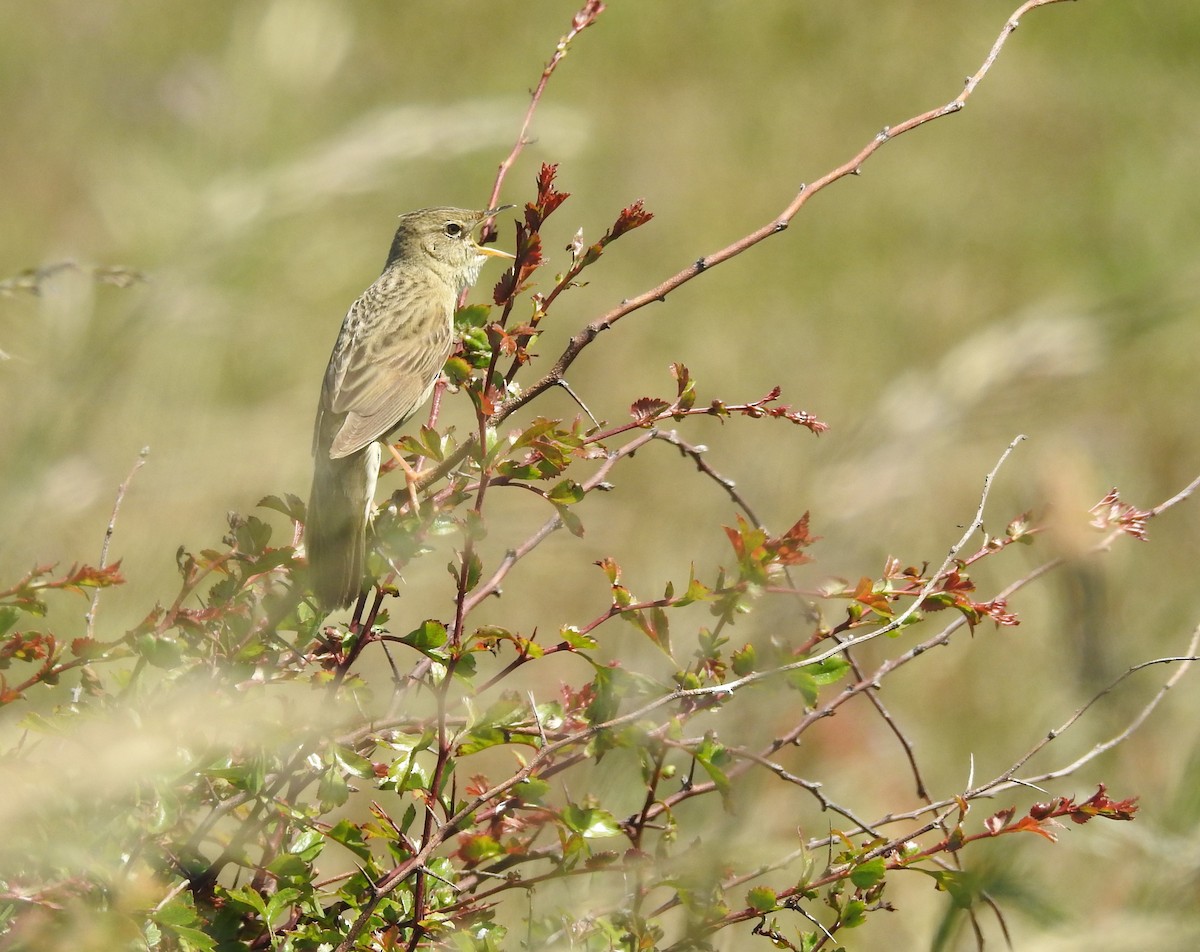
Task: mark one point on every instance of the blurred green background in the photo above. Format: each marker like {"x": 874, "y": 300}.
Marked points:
{"x": 1031, "y": 265}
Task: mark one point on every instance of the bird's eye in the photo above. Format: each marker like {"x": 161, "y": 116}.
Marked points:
{"x": 454, "y": 229}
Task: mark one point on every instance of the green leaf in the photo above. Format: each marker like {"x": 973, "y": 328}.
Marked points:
{"x": 247, "y": 896}
{"x": 865, "y": 875}
{"x": 430, "y": 635}
{"x": 713, "y": 756}
{"x": 696, "y": 592}
{"x": 828, "y": 671}
{"x": 566, "y": 493}
{"x": 252, "y": 535}
{"x": 351, "y": 837}
{"x": 290, "y": 866}
{"x": 160, "y": 651}
{"x": 248, "y": 776}
{"x": 571, "y": 635}
{"x": 481, "y": 738}
{"x": 280, "y": 901}
{"x": 532, "y": 791}
{"x": 353, "y": 762}
{"x": 590, "y": 822}
{"x": 573, "y": 523}
{"x": 457, "y": 371}
{"x": 473, "y": 316}
{"x": 537, "y": 429}
{"x": 809, "y": 679}
{"x": 742, "y": 661}
{"x": 307, "y": 845}
{"x": 8, "y": 618}
{"x": 855, "y": 914}
{"x": 177, "y": 912}
{"x": 476, "y": 849}
{"x": 762, "y": 899}
{"x": 474, "y": 566}
{"x": 332, "y": 790}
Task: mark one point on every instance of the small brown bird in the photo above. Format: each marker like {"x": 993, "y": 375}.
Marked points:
{"x": 387, "y": 357}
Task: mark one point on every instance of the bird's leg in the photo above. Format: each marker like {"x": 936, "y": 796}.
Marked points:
{"x": 410, "y": 475}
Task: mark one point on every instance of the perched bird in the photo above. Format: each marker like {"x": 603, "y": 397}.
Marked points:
{"x": 387, "y": 357}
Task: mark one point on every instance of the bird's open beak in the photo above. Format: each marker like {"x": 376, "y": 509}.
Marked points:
{"x": 488, "y": 249}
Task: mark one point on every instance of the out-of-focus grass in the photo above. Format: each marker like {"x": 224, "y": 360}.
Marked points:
{"x": 1031, "y": 265}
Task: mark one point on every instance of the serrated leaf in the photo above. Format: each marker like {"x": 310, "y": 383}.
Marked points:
{"x": 430, "y": 635}
{"x": 762, "y": 899}
{"x": 865, "y": 875}
{"x": 854, "y": 914}
{"x": 473, "y": 316}
{"x": 742, "y": 661}
{"x": 457, "y": 371}
{"x": 292, "y": 506}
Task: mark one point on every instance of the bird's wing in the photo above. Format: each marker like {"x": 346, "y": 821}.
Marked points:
{"x": 383, "y": 370}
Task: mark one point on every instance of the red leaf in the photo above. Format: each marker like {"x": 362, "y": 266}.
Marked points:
{"x": 1030, "y": 825}
{"x": 998, "y": 821}
{"x": 647, "y": 409}
{"x": 634, "y": 216}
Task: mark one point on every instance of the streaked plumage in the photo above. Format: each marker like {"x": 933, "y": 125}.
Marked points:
{"x": 391, "y": 348}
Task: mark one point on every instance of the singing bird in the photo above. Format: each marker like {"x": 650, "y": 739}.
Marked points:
{"x": 387, "y": 357}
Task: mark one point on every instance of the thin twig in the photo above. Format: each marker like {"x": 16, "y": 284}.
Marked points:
{"x": 90, "y": 617}
{"x": 584, "y": 18}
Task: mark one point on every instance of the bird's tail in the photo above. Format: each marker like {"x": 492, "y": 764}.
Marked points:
{"x": 335, "y": 535}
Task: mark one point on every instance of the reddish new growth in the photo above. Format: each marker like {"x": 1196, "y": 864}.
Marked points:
{"x": 1110, "y": 512}
{"x": 953, "y": 592}
{"x": 630, "y": 218}
{"x": 587, "y": 16}
{"x": 752, "y": 544}
{"x": 529, "y": 241}
{"x": 1043, "y": 817}
{"x": 647, "y": 411}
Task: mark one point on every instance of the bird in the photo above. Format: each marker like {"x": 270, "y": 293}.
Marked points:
{"x": 385, "y": 362}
